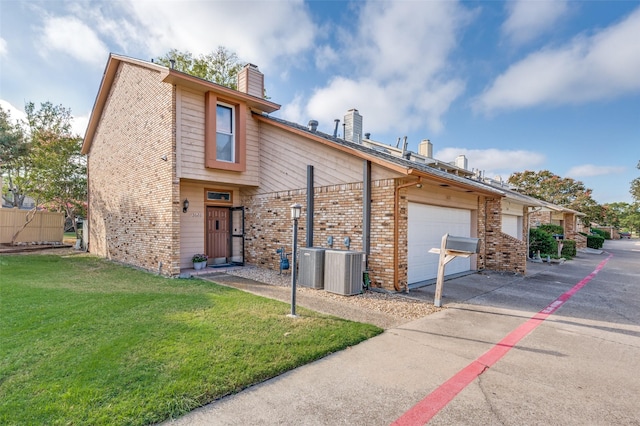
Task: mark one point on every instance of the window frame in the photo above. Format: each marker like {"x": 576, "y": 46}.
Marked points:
{"x": 210, "y": 135}
{"x": 232, "y": 134}
{"x": 221, "y": 202}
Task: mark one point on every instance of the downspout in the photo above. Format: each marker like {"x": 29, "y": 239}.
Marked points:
{"x": 310, "y": 207}
{"x": 396, "y": 221}
{"x": 366, "y": 211}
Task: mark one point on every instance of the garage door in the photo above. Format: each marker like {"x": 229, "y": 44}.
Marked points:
{"x": 427, "y": 225}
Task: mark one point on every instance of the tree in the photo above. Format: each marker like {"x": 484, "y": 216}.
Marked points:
{"x": 14, "y": 151}
{"x": 58, "y": 173}
{"x": 220, "y": 66}
{"x": 552, "y": 188}
{"x": 635, "y": 187}
{"x": 630, "y": 217}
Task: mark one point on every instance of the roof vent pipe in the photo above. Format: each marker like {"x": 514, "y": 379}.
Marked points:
{"x": 173, "y": 63}
{"x": 313, "y": 125}
{"x": 367, "y": 135}
{"x": 335, "y": 129}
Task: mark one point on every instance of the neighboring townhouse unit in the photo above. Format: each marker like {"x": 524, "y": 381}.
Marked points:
{"x": 507, "y": 224}
{"x": 549, "y": 213}
{"x": 178, "y": 165}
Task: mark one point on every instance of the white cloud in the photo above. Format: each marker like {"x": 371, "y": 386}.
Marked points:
{"x": 326, "y": 55}
{"x": 589, "y": 170}
{"x": 529, "y": 19}
{"x": 15, "y": 114}
{"x": 264, "y": 33}
{"x": 494, "y": 161}
{"x": 73, "y": 37}
{"x": 293, "y": 110}
{"x": 598, "y": 67}
{"x": 399, "y": 75}
{"x": 79, "y": 124}
{"x": 3, "y": 47}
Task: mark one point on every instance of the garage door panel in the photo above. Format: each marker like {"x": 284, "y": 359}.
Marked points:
{"x": 427, "y": 225}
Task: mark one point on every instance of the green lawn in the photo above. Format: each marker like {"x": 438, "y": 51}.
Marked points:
{"x": 85, "y": 341}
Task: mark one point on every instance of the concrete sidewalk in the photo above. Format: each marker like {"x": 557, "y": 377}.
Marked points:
{"x": 377, "y": 381}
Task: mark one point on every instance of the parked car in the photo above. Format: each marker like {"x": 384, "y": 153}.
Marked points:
{"x": 626, "y": 235}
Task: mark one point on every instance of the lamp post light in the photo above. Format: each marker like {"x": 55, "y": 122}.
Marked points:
{"x": 296, "y": 210}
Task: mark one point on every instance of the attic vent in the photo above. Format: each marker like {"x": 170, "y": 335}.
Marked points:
{"x": 313, "y": 125}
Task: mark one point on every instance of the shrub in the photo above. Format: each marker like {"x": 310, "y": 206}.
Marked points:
{"x": 569, "y": 249}
{"x": 595, "y": 241}
{"x": 604, "y": 234}
{"x": 552, "y": 229}
{"x": 543, "y": 241}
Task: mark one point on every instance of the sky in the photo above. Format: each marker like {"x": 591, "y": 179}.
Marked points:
{"x": 514, "y": 86}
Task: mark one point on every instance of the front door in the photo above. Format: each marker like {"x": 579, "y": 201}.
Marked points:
{"x": 218, "y": 234}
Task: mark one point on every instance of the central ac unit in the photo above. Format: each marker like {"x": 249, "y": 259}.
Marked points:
{"x": 343, "y": 272}
{"x": 311, "y": 267}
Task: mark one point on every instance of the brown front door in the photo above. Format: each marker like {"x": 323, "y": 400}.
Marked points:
{"x": 218, "y": 234}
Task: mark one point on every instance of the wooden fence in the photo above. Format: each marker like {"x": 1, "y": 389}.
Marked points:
{"x": 45, "y": 226}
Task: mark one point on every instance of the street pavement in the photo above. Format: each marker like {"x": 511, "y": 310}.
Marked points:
{"x": 577, "y": 363}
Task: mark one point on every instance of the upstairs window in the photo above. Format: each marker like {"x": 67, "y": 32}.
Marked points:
{"x": 225, "y": 135}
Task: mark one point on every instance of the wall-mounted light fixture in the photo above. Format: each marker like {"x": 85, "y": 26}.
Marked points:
{"x": 185, "y": 205}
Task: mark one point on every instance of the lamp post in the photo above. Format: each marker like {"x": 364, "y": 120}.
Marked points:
{"x": 296, "y": 209}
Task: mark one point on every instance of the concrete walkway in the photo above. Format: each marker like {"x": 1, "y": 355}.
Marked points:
{"x": 580, "y": 366}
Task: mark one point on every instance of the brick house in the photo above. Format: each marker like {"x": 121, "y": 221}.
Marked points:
{"x": 549, "y": 213}
{"x": 178, "y": 165}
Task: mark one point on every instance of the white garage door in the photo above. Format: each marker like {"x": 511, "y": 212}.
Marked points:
{"x": 427, "y": 225}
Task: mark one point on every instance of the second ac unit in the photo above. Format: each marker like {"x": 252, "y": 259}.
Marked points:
{"x": 343, "y": 272}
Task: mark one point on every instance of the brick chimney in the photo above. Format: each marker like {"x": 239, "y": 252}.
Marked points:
{"x": 251, "y": 81}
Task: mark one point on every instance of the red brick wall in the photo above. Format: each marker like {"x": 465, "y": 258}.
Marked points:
{"x": 338, "y": 214}
{"x": 503, "y": 252}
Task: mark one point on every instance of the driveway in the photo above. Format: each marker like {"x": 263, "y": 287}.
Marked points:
{"x": 559, "y": 346}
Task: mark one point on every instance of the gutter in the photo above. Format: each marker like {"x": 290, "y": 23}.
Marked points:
{"x": 396, "y": 220}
